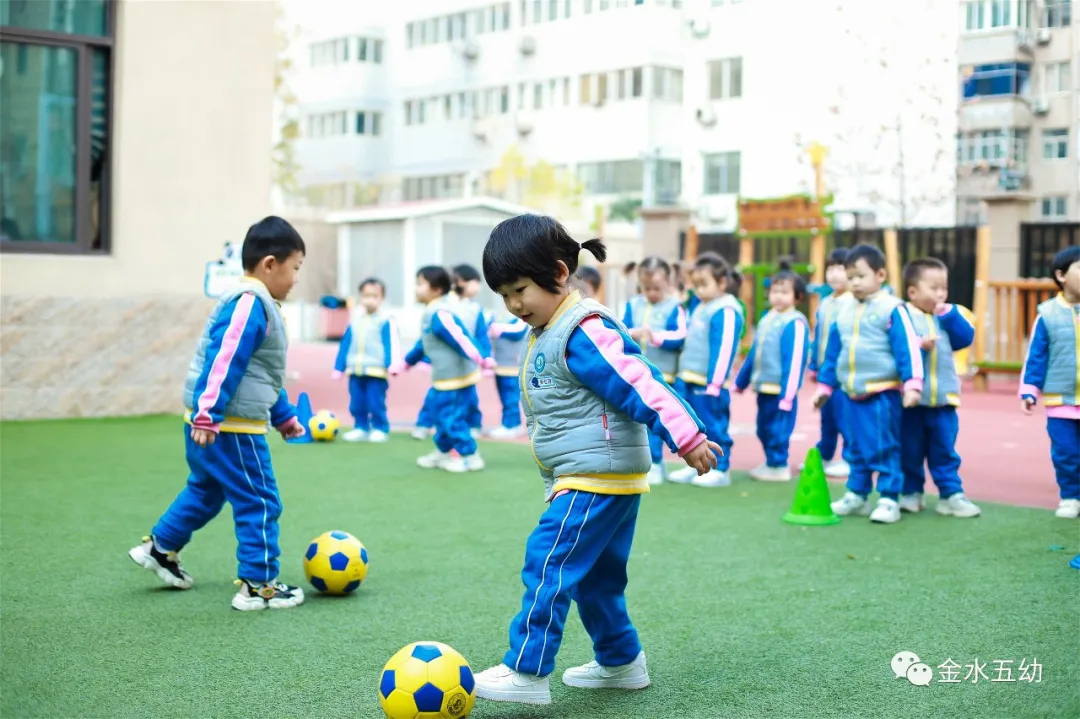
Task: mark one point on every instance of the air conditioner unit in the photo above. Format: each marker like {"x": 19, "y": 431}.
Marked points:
{"x": 527, "y": 46}
{"x": 468, "y": 49}
{"x": 524, "y": 123}
{"x": 1040, "y": 106}
{"x": 481, "y": 129}
{"x": 1023, "y": 40}
{"x": 700, "y": 27}
{"x": 1042, "y": 36}
{"x": 706, "y": 116}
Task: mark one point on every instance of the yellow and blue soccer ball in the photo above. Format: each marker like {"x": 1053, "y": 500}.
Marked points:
{"x": 427, "y": 680}
{"x": 336, "y": 563}
{"x": 324, "y": 426}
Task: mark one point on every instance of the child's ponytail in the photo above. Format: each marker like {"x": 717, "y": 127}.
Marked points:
{"x": 596, "y": 248}
{"x": 735, "y": 279}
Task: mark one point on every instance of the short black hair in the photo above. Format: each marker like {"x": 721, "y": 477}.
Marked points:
{"x": 374, "y": 281}
{"x": 463, "y": 274}
{"x": 532, "y": 246}
{"x": 590, "y": 276}
{"x": 629, "y": 267}
{"x": 654, "y": 263}
{"x": 720, "y": 269}
{"x": 914, "y": 269}
{"x": 437, "y": 277}
{"x": 784, "y": 273}
{"x": 838, "y": 256}
{"x": 1063, "y": 261}
{"x": 270, "y": 237}
{"x": 872, "y": 256}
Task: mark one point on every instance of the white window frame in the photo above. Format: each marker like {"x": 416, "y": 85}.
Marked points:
{"x": 1058, "y": 206}
{"x": 721, "y": 163}
{"x": 1057, "y": 77}
{"x": 724, "y": 89}
{"x": 1055, "y": 144}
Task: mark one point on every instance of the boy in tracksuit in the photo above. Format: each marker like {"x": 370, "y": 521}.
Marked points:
{"x": 832, "y": 413}
{"x": 774, "y": 368}
{"x": 235, "y": 387}
{"x": 873, "y": 357}
{"x": 370, "y": 345}
{"x": 929, "y": 430}
{"x": 1052, "y": 369}
{"x": 508, "y": 336}
{"x": 466, "y": 287}
{"x": 455, "y": 362}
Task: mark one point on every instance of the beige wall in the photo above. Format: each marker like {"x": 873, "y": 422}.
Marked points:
{"x": 191, "y": 137}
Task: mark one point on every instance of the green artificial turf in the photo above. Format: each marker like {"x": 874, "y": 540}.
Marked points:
{"x": 741, "y": 614}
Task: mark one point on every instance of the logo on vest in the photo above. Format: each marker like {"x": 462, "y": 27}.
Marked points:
{"x": 539, "y": 363}
{"x": 543, "y": 382}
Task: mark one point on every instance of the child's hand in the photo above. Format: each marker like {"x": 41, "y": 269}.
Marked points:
{"x": 396, "y": 368}
{"x": 713, "y": 390}
{"x": 820, "y": 398}
{"x": 203, "y": 437}
{"x": 912, "y": 397}
{"x": 292, "y": 429}
{"x": 702, "y": 458}
{"x": 1026, "y": 404}
{"x": 336, "y": 374}
{"x": 637, "y": 333}
{"x": 646, "y": 334}
{"x": 487, "y": 363}
{"x": 494, "y": 332}
{"x": 928, "y": 342}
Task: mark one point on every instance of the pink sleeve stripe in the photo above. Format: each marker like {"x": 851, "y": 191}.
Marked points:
{"x": 795, "y": 371}
{"x": 220, "y": 368}
{"x": 653, "y": 393}
{"x": 1027, "y": 388}
{"x": 506, "y": 326}
{"x": 447, "y": 319}
{"x": 396, "y": 353}
{"x": 679, "y": 333}
{"x": 1064, "y": 411}
{"x": 914, "y": 348}
{"x": 727, "y": 349}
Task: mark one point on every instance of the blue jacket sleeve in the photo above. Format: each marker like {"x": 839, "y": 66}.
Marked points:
{"x": 794, "y": 343}
{"x": 819, "y": 337}
{"x": 480, "y": 334}
{"x": 1033, "y": 374}
{"x": 283, "y": 410}
{"x": 827, "y": 373}
{"x": 906, "y": 348}
{"x": 235, "y": 335}
{"x": 674, "y": 336}
{"x": 628, "y": 315}
{"x": 742, "y": 380}
{"x": 342, "y": 358}
{"x": 515, "y": 330}
{"x": 725, "y": 329}
{"x": 961, "y": 332}
{"x": 416, "y": 354}
{"x": 450, "y": 329}
{"x": 610, "y": 364}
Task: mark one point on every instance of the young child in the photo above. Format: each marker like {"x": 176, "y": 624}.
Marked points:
{"x": 590, "y": 281}
{"x": 370, "y": 345}
{"x": 471, "y": 312}
{"x": 832, "y": 412}
{"x": 1052, "y": 369}
{"x": 235, "y": 387}
{"x": 774, "y": 367}
{"x": 929, "y": 431}
{"x": 872, "y": 356}
{"x": 446, "y": 341}
{"x": 712, "y": 343}
{"x": 658, "y": 324}
{"x": 588, "y": 394}
{"x": 425, "y": 418}
{"x": 508, "y": 336}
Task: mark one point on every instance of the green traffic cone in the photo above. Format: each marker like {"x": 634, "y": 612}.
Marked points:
{"x": 811, "y": 504}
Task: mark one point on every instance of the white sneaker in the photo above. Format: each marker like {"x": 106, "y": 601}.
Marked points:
{"x": 957, "y": 506}
{"x": 271, "y": 595}
{"x": 377, "y": 436}
{"x": 656, "y": 474}
{"x": 421, "y": 433}
{"x": 837, "y": 469}
{"x": 433, "y": 459}
{"x": 166, "y": 565}
{"x": 912, "y": 503}
{"x": 505, "y": 432}
{"x": 685, "y": 475}
{"x": 458, "y": 464}
{"x": 1068, "y": 509}
{"x": 503, "y": 684}
{"x": 476, "y": 433}
{"x": 712, "y": 478}
{"x": 634, "y": 675}
{"x": 887, "y": 511}
{"x": 355, "y": 435}
{"x": 851, "y": 503}
{"x": 765, "y": 473}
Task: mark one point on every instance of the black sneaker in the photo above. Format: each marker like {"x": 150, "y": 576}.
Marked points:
{"x": 165, "y": 564}
{"x": 254, "y": 596}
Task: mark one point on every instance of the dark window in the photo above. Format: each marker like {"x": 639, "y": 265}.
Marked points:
{"x": 55, "y": 123}
{"x": 996, "y": 79}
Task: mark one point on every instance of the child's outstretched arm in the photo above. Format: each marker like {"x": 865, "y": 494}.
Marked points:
{"x": 817, "y": 343}
{"x": 342, "y": 358}
{"x": 391, "y": 342}
{"x": 236, "y": 333}
{"x": 793, "y": 347}
{"x": 512, "y": 331}
{"x": 907, "y": 349}
{"x": 673, "y": 336}
{"x": 450, "y": 329}
{"x": 746, "y": 372}
{"x": 283, "y": 417}
{"x": 610, "y": 364}
{"x": 725, "y": 328}
{"x": 1033, "y": 372}
{"x": 953, "y": 322}
{"x": 480, "y": 335}
{"x": 827, "y": 381}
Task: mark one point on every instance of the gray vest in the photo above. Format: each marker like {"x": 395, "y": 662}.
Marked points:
{"x": 1062, "y": 322}
{"x": 826, "y": 315}
{"x": 508, "y": 352}
{"x": 449, "y": 370}
{"x": 574, "y": 432}
{"x": 866, "y": 363}
{"x": 261, "y": 385}
{"x": 768, "y": 369}
{"x": 695, "y": 354}
{"x": 655, "y": 317}
{"x": 367, "y": 355}
{"x": 941, "y": 384}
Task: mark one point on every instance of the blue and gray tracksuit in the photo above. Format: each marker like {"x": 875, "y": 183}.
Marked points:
{"x": 507, "y": 353}
{"x": 369, "y": 346}
{"x": 832, "y": 412}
